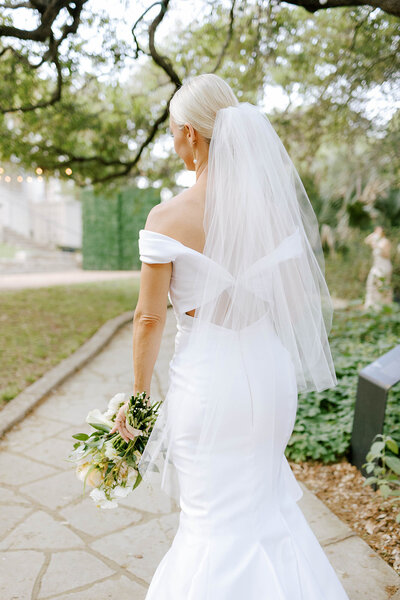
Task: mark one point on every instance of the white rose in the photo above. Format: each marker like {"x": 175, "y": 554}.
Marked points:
{"x": 101, "y": 500}
{"x": 95, "y": 416}
{"x": 94, "y": 478}
{"x": 121, "y": 492}
{"x": 110, "y": 451}
{"x": 83, "y": 460}
{"x": 114, "y": 405}
{"x": 81, "y": 470}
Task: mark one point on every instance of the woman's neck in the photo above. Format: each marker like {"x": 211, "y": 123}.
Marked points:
{"x": 202, "y": 168}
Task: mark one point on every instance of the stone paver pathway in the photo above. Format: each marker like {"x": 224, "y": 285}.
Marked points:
{"x": 18, "y": 281}
{"x": 56, "y": 544}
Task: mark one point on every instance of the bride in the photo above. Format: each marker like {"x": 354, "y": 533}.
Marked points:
{"x": 240, "y": 257}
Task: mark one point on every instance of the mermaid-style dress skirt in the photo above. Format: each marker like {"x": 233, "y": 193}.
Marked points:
{"x": 241, "y": 534}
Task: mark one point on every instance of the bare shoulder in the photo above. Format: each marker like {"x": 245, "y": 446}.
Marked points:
{"x": 160, "y": 215}
{"x": 180, "y": 217}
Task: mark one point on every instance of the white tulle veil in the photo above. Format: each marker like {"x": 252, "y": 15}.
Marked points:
{"x": 264, "y": 260}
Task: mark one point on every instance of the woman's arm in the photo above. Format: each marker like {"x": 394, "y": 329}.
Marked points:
{"x": 148, "y": 325}
{"x": 149, "y": 321}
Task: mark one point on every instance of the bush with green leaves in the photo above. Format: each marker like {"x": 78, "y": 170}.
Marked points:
{"x": 325, "y": 419}
{"x": 383, "y": 468}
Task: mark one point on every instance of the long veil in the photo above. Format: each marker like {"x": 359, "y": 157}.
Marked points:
{"x": 264, "y": 260}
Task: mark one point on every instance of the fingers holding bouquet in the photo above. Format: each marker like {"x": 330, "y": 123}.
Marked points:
{"x": 127, "y": 417}
{"x": 120, "y": 423}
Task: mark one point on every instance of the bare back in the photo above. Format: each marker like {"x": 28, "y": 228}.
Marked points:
{"x": 181, "y": 218}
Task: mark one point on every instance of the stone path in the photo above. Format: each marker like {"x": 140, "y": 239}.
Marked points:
{"x": 18, "y": 281}
{"x": 56, "y": 544}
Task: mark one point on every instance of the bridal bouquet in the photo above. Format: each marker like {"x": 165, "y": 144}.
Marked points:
{"x": 106, "y": 461}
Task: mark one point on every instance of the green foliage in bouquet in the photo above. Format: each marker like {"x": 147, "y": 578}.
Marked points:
{"x": 383, "y": 466}
{"x": 106, "y": 461}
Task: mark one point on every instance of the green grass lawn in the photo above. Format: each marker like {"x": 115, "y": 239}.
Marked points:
{"x": 40, "y": 327}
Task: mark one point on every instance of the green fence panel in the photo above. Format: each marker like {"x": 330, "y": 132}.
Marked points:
{"x": 110, "y": 227}
{"x": 135, "y": 206}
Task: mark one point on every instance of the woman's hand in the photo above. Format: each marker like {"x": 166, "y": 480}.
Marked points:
{"x": 120, "y": 423}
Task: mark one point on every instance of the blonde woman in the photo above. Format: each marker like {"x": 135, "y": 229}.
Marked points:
{"x": 240, "y": 256}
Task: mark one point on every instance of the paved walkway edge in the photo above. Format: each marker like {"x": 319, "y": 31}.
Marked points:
{"x": 364, "y": 573}
{"x": 21, "y": 405}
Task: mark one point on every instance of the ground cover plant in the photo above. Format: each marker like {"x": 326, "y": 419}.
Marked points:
{"x": 324, "y": 419}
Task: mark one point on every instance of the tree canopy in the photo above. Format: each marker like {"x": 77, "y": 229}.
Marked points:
{"x": 99, "y": 112}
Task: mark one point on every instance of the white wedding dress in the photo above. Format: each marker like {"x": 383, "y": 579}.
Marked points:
{"x": 241, "y": 534}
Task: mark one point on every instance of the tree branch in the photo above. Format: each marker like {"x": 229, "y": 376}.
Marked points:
{"x": 55, "y": 97}
{"x": 128, "y": 166}
{"x": 131, "y": 164}
{"x": 392, "y": 7}
{"x": 18, "y": 5}
{"x": 166, "y": 65}
{"x": 162, "y": 61}
{"x": 49, "y": 11}
{"x": 137, "y": 45}
{"x": 356, "y": 30}
{"x": 228, "y": 38}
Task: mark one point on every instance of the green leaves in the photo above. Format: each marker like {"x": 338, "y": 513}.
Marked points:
{"x": 392, "y": 445}
{"x": 101, "y": 427}
{"x": 137, "y": 481}
{"x": 323, "y": 68}
{"x": 324, "y": 420}
{"x": 80, "y": 436}
{"x": 393, "y": 463}
{"x": 376, "y": 449}
{"x": 383, "y": 462}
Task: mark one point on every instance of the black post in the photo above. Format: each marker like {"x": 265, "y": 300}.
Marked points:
{"x": 374, "y": 383}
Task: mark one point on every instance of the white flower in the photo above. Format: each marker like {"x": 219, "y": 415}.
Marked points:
{"x": 121, "y": 492}
{"x": 77, "y": 455}
{"x": 114, "y": 405}
{"x": 110, "y": 451}
{"x": 83, "y": 460}
{"x": 101, "y": 500}
{"x": 95, "y": 416}
{"x": 94, "y": 478}
{"x": 81, "y": 470}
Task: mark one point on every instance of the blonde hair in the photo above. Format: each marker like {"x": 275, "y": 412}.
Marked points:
{"x": 198, "y": 100}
